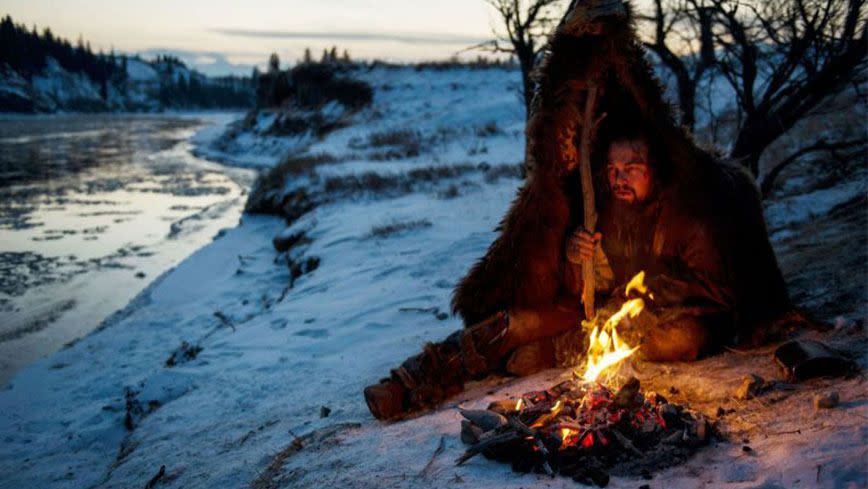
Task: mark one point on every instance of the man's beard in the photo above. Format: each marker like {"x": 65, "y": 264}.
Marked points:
{"x": 628, "y": 215}
{"x": 622, "y": 189}
{"x": 631, "y": 233}
{"x": 631, "y": 220}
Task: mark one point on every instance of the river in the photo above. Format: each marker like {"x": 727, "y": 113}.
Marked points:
{"x": 92, "y": 209}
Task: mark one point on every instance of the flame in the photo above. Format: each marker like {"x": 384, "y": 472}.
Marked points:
{"x": 637, "y": 283}
{"x": 567, "y": 436}
{"x": 518, "y": 405}
{"x": 606, "y": 349}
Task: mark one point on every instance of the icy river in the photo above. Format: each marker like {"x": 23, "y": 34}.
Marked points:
{"x": 92, "y": 209}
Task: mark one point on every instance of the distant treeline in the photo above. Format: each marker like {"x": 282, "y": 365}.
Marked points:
{"x": 27, "y": 52}
{"x": 310, "y": 84}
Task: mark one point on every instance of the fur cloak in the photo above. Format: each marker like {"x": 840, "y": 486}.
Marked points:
{"x": 524, "y": 266}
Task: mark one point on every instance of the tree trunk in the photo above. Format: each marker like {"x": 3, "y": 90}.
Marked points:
{"x": 527, "y": 61}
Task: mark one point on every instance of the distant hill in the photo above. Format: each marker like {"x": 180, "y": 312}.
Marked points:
{"x": 43, "y": 73}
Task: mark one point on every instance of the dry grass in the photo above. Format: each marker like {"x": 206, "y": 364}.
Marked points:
{"x": 394, "y": 228}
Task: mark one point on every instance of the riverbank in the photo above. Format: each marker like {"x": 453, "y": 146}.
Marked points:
{"x": 93, "y": 208}
{"x": 217, "y": 374}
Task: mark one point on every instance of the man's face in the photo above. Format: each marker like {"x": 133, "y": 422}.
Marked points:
{"x": 628, "y": 173}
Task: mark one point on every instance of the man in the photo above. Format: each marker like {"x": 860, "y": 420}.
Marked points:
{"x": 668, "y": 207}
{"x": 641, "y": 229}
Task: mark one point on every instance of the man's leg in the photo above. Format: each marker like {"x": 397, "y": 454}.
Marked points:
{"x": 441, "y": 369}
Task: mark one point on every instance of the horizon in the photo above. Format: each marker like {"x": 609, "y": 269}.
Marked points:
{"x": 223, "y": 38}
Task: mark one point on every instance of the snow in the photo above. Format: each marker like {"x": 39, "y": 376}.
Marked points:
{"x": 140, "y": 71}
{"x": 272, "y": 357}
{"x": 801, "y": 208}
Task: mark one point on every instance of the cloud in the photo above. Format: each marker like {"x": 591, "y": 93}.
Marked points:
{"x": 418, "y": 38}
{"x": 210, "y": 63}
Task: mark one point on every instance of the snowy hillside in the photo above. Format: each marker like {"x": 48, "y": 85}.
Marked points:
{"x": 148, "y": 86}
{"x": 217, "y": 374}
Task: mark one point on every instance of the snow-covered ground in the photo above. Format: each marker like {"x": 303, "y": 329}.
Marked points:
{"x": 108, "y": 412}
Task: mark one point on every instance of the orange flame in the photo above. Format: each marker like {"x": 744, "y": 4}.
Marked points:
{"x": 606, "y": 349}
{"x": 567, "y": 436}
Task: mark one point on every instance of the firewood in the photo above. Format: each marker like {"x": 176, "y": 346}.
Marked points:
{"x": 626, "y": 443}
{"x": 483, "y": 418}
{"x": 592, "y": 429}
{"x": 530, "y": 432}
{"x": 470, "y": 433}
{"x": 426, "y": 471}
{"x": 626, "y": 396}
{"x": 483, "y": 445}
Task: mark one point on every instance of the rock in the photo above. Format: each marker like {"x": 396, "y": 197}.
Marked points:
{"x": 324, "y": 412}
{"x": 470, "y": 433}
{"x": 485, "y": 419}
{"x": 751, "y": 387}
{"x": 286, "y": 239}
{"x": 826, "y": 401}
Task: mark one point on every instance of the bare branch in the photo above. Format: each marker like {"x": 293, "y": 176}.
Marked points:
{"x": 818, "y": 146}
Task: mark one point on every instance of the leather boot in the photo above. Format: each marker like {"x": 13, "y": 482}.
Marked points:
{"x": 440, "y": 370}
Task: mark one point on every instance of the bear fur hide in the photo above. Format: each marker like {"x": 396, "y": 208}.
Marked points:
{"x": 524, "y": 266}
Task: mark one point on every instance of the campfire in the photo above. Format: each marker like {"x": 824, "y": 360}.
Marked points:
{"x": 592, "y": 424}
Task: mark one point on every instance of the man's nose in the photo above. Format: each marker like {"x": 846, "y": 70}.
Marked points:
{"x": 621, "y": 176}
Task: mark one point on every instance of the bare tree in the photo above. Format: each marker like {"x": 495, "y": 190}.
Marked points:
{"x": 526, "y": 25}
{"x": 781, "y": 58}
{"x": 683, "y": 40}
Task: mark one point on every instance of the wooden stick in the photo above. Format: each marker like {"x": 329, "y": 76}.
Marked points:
{"x": 529, "y": 432}
{"x": 588, "y": 199}
{"x": 426, "y": 471}
{"x": 494, "y": 441}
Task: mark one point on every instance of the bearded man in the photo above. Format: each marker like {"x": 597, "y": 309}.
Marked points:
{"x": 642, "y": 228}
{"x": 668, "y": 207}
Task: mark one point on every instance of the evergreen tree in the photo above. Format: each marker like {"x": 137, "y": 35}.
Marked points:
{"x": 273, "y": 63}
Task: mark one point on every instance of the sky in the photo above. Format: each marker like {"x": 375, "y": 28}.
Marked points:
{"x": 221, "y": 36}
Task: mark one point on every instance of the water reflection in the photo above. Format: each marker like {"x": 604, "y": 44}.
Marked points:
{"x": 92, "y": 208}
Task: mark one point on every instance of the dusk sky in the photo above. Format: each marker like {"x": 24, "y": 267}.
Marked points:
{"x": 222, "y": 36}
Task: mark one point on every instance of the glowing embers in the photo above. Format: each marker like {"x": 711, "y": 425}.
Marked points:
{"x": 585, "y": 431}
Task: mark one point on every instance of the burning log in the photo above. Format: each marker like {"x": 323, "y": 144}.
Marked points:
{"x": 584, "y": 430}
